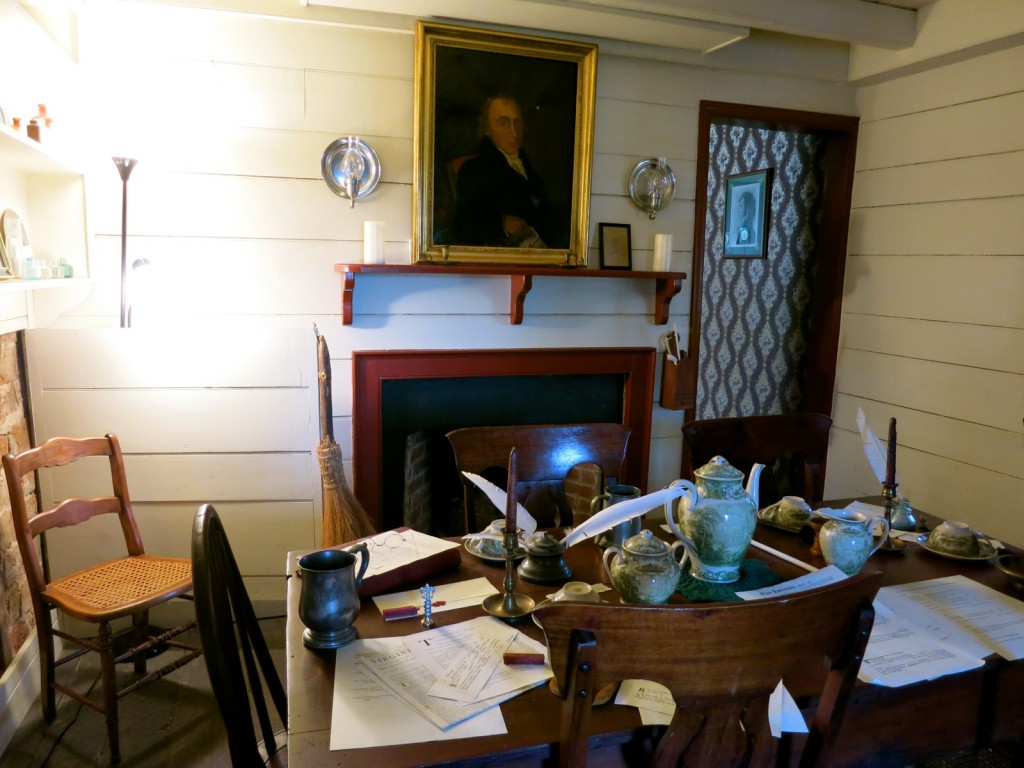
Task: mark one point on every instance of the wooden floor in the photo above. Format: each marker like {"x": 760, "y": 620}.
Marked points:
{"x": 171, "y": 722}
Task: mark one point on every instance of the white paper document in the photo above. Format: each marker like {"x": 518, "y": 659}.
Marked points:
{"x": 393, "y": 549}
{"x": 365, "y": 714}
{"x": 410, "y": 671}
{"x": 461, "y": 594}
{"x": 654, "y": 700}
{"x": 820, "y": 578}
{"x": 900, "y": 652}
{"x": 783, "y": 713}
{"x": 957, "y": 610}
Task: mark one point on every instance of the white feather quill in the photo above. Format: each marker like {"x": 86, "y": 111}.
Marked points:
{"x": 618, "y": 513}
{"x": 874, "y": 449}
{"x": 524, "y": 520}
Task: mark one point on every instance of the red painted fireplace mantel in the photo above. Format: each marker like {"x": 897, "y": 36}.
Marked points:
{"x": 372, "y": 368}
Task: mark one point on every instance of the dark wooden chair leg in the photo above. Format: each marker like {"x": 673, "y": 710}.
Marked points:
{"x": 109, "y": 679}
{"x": 47, "y": 665}
{"x": 141, "y": 622}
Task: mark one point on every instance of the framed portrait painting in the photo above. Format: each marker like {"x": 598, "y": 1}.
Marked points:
{"x": 747, "y": 204}
{"x": 503, "y": 142}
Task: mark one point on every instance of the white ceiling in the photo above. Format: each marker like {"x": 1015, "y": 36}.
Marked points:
{"x": 694, "y": 25}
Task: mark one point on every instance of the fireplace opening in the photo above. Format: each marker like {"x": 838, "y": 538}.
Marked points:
{"x": 416, "y": 415}
{"x": 406, "y": 401}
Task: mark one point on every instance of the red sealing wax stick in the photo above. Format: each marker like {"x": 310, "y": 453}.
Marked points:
{"x": 519, "y": 659}
{"x": 406, "y": 611}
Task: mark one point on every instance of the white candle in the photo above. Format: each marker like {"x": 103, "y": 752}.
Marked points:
{"x": 373, "y": 242}
{"x": 662, "y": 253}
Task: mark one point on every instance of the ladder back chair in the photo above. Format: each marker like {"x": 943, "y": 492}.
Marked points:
{"x": 121, "y": 588}
{"x": 721, "y": 662}
{"x": 544, "y": 456}
{"x": 237, "y": 659}
{"x": 792, "y": 446}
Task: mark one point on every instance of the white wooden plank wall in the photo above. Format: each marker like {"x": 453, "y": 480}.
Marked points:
{"x": 933, "y": 317}
{"x": 243, "y": 234}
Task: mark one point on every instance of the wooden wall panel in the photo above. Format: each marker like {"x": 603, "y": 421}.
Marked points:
{"x": 933, "y": 326}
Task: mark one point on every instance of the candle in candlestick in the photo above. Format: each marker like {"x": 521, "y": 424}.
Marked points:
{"x": 890, "y": 464}
{"x": 511, "y": 502}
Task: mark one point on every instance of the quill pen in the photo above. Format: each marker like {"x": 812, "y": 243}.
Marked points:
{"x": 873, "y": 448}
{"x": 498, "y": 498}
{"x": 618, "y": 513}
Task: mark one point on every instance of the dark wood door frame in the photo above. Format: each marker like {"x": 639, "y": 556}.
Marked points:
{"x": 839, "y": 133}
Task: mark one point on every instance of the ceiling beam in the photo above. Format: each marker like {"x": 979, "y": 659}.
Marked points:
{"x": 573, "y": 19}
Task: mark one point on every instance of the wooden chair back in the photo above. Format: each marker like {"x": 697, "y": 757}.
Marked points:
{"x": 792, "y": 446}
{"x": 56, "y": 453}
{"x": 721, "y": 661}
{"x": 238, "y": 661}
{"x": 544, "y": 455}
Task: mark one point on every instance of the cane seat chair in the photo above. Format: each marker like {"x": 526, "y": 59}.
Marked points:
{"x": 721, "y": 662}
{"x": 237, "y": 658}
{"x": 544, "y": 456}
{"x": 793, "y": 448}
{"x": 119, "y": 589}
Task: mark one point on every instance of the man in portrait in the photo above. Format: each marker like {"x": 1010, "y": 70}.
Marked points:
{"x": 500, "y": 196}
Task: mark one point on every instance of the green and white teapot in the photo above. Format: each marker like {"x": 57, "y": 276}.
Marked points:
{"x": 717, "y": 517}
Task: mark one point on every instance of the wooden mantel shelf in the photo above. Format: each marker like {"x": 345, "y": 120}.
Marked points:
{"x": 667, "y": 284}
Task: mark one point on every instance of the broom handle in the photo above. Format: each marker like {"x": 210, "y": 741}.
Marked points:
{"x": 324, "y": 377}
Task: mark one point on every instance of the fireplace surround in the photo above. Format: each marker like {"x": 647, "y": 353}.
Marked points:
{"x": 446, "y": 389}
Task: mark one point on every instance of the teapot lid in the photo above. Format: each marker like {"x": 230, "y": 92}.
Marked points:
{"x": 719, "y": 469}
{"x": 645, "y": 543}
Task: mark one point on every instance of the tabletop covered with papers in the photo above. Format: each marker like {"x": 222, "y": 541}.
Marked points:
{"x": 385, "y": 696}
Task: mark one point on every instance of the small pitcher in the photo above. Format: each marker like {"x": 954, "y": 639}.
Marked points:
{"x": 329, "y": 602}
{"x": 618, "y": 534}
{"x": 847, "y": 539}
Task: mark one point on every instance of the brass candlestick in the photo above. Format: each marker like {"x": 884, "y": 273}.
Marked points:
{"x": 891, "y": 545}
{"x": 509, "y": 605}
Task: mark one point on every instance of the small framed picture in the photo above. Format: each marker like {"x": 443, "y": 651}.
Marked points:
{"x": 747, "y": 198}
{"x": 614, "y": 243}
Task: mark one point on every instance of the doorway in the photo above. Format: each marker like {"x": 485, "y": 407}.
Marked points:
{"x": 765, "y": 329}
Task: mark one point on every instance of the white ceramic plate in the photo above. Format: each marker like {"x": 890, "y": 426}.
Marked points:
{"x": 985, "y": 550}
{"x": 473, "y": 547}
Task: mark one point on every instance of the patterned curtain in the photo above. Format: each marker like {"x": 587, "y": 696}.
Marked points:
{"x": 754, "y": 318}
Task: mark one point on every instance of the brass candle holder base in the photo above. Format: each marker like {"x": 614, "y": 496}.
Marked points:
{"x": 509, "y": 605}
{"x": 891, "y": 546}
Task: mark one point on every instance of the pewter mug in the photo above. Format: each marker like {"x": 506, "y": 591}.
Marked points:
{"x": 329, "y": 602}
{"x": 619, "y": 534}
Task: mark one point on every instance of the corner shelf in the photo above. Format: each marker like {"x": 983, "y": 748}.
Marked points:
{"x": 667, "y": 284}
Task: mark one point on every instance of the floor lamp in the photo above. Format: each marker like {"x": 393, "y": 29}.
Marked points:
{"x": 124, "y": 168}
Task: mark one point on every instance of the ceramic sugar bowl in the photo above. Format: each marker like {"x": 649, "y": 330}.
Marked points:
{"x": 646, "y": 570}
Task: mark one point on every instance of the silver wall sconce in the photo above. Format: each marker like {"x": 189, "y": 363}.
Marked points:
{"x": 351, "y": 168}
{"x": 652, "y": 185}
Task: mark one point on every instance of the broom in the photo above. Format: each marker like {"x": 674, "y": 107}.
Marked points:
{"x": 344, "y": 517}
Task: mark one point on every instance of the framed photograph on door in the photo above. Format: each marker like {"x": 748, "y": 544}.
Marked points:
{"x": 747, "y": 213}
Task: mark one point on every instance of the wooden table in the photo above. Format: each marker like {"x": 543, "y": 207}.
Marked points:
{"x": 883, "y": 726}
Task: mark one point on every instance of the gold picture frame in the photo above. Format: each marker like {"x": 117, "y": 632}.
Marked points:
{"x": 468, "y": 83}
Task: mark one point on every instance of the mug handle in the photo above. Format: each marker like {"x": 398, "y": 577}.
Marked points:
{"x": 364, "y": 561}
{"x": 595, "y": 503}
{"x": 884, "y": 536}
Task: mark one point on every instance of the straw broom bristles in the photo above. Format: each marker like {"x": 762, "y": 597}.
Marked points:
{"x": 344, "y": 517}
